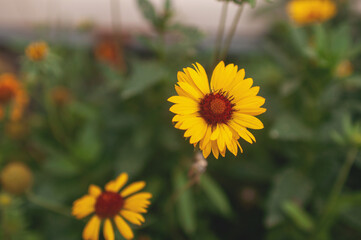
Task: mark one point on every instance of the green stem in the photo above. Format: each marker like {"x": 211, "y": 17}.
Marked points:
{"x": 220, "y": 33}
{"x": 229, "y": 38}
{"x": 48, "y": 205}
{"x": 329, "y": 212}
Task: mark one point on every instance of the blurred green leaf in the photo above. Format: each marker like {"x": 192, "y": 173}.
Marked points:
{"x": 298, "y": 215}
{"x": 148, "y": 10}
{"x": 145, "y": 75}
{"x": 186, "y": 210}
{"x": 288, "y": 127}
{"x": 290, "y": 185}
{"x": 215, "y": 195}
{"x": 88, "y": 145}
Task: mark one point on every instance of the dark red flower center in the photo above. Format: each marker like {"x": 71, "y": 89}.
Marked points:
{"x": 108, "y": 204}
{"x": 6, "y": 94}
{"x": 216, "y": 108}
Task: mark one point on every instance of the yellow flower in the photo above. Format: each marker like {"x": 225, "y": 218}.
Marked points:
{"x": 344, "y": 69}
{"x": 216, "y": 116}
{"x": 112, "y": 207}
{"x": 16, "y": 178}
{"x": 311, "y": 11}
{"x": 12, "y": 93}
{"x": 37, "y": 51}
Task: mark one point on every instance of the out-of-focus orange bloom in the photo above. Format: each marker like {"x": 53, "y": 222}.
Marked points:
{"x": 16, "y": 178}
{"x": 344, "y": 69}
{"x": 37, "y": 51}
{"x": 61, "y": 96}
{"x": 107, "y": 50}
{"x": 12, "y": 95}
{"x": 305, "y": 12}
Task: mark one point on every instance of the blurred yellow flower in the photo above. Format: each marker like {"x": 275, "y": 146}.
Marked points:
{"x": 216, "y": 116}
{"x": 12, "y": 95}
{"x": 37, "y": 51}
{"x": 112, "y": 207}
{"x": 16, "y": 178}
{"x": 311, "y": 11}
{"x": 344, "y": 69}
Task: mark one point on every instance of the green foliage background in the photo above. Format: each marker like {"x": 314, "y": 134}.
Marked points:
{"x": 118, "y": 121}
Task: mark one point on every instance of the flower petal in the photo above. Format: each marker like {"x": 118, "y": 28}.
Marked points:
{"x": 118, "y": 183}
{"x": 83, "y": 206}
{"x": 94, "y": 190}
{"x": 123, "y": 227}
{"x": 132, "y": 217}
{"x": 108, "y": 230}
{"x": 132, "y": 188}
{"x": 91, "y": 230}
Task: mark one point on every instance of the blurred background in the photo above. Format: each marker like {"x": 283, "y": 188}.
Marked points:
{"x": 89, "y": 82}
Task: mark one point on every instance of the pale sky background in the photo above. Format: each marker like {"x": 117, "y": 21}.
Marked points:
{"x": 200, "y": 13}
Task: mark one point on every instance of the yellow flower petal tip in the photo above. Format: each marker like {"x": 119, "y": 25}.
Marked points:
{"x": 112, "y": 208}
{"x": 37, "y": 51}
{"x": 216, "y": 114}
{"x": 304, "y": 12}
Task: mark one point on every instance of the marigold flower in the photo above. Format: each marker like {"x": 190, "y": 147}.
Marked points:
{"x": 344, "y": 69}
{"x": 12, "y": 93}
{"x": 107, "y": 51}
{"x": 37, "y": 51}
{"x": 216, "y": 116}
{"x": 16, "y": 178}
{"x": 311, "y": 11}
{"x": 112, "y": 207}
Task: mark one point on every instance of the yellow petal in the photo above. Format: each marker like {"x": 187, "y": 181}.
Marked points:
{"x": 108, "y": 230}
{"x": 181, "y": 99}
{"x": 94, "y": 190}
{"x": 191, "y": 122}
{"x": 118, "y": 183}
{"x": 91, "y": 230}
{"x": 83, "y": 206}
{"x": 132, "y": 188}
{"x": 248, "y": 121}
{"x": 184, "y": 108}
{"x": 207, "y": 150}
{"x": 132, "y": 217}
{"x": 138, "y": 202}
{"x": 240, "y": 130}
{"x": 251, "y": 102}
{"x": 252, "y": 111}
{"x": 215, "y": 133}
{"x": 217, "y": 77}
{"x": 123, "y": 228}
{"x": 215, "y": 150}
{"x": 196, "y": 94}
{"x": 199, "y": 77}
{"x": 199, "y": 133}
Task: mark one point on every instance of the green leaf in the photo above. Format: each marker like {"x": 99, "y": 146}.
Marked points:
{"x": 298, "y": 215}
{"x": 216, "y": 195}
{"x": 148, "y": 10}
{"x": 185, "y": 207}
{"x": 287, "y": 127}
{"x": 88, "y": 146}
{"x": 290, "y": 185}
{"x": 145, "y": 75}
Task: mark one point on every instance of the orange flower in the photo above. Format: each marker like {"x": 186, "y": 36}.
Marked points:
{"x": 12, "y": 94}
{"x": 107, "y": 51}
{"x": 37, "y": 51}
{"x": 305, "y": 12}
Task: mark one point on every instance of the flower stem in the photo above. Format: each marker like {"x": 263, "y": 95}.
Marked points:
{"x": 229, "y": 38}
{"x": 220, "y": 33}
{"x": 47, "y": 205}
{"x": 329, "y": 212}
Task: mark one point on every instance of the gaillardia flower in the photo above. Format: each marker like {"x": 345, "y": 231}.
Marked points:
{"x": 216, "y": 116}
{"x": 12, "y": 96}
{"x": 37, "y": 51}
{"x": 305, "y": 12}
{"x": 112, "y": 207}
